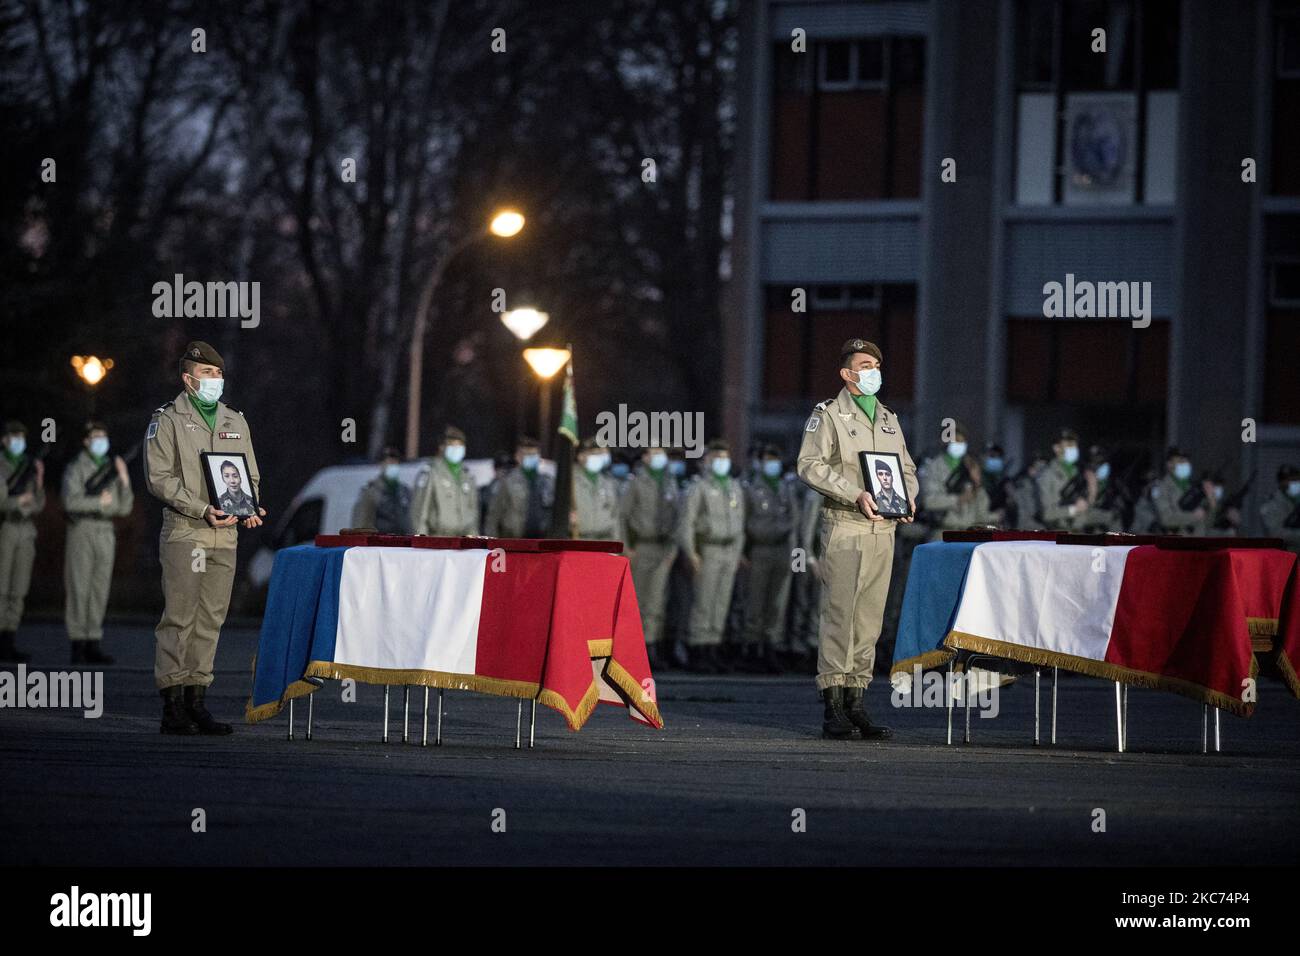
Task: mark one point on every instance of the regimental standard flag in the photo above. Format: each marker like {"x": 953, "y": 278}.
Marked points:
{"x": 565, "y": 445}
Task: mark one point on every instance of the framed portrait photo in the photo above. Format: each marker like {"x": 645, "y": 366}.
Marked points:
{"x": 229, "y": 487}
{"x": 882, "y": 475}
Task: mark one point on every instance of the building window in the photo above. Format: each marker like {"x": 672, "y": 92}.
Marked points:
{"x": 1096, "y": 128}
{"x": 847, "y": 119}
{"x": 800, "y": 348}
{"x": 1285, "y": 174}
{"x": 1086, "y": 362}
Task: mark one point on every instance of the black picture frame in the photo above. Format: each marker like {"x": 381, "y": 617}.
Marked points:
{"x": 887, "y": 508}
{"x": 213, "y": 463}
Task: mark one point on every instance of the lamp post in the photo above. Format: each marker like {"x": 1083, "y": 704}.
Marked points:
{"x": 506, "y": 223}
{"x": 545, "y": 363}
{"x": 91, "y": 369}
{"x": 523, "y": 324}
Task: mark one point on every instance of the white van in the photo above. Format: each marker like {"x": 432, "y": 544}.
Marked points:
{"x": 324, "y": 505}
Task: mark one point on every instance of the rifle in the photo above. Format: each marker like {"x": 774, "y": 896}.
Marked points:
{"x": 1233, "y": 500}
{"x": 26, "y": 473}
{"x": 1075, "y": 488}
{"x": 998, "y": 495}
{"x": 958, "y": 479}
{"x": 1192, "y": 498}
{"x": 104, "y": 474}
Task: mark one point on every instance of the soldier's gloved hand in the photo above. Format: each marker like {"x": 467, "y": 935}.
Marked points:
{"x": 218, "y": 518}
{"x": 106, "y": 497}
{"x": 253, "y": 521}
{"x": 867, "y": 505}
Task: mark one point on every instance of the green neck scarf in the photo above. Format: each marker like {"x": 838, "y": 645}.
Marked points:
{"x": 952, "y": 462}
{"x": 773, "y": 483}
{"x": 868, "y": 405}
{"x": 724, "y": 481}
{"x": 99, "y": 462}
{"x": 454, "y": 468}
{"x": 592, "y": 476}
{"x": 657, "y": 474}
{"x": 1070, "y": 469}
{"x": 207, "y": 410}
{"x": 14, "y": 460}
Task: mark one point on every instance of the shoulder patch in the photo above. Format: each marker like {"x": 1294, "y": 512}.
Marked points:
{"x": 422, "y": 478}
{"x": 152, "y": 430}
{"x": 813, "y": 422}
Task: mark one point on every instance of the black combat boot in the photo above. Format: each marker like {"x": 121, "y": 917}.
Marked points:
{"x": 199, "y": 714}
{"x": 835, "y": 722}
{"x": 859, "y": 718}
{"x": 78, "y": 652}
{"x": 91, "y": 653}
{"x": 8, "y": 653}
{"x": 175, "y": 719}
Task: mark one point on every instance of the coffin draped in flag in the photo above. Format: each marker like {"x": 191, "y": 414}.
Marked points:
{"x": 1181, "y": 620}
{"x": 561, "y": 627}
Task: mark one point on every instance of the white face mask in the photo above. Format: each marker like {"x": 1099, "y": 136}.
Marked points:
{"x": 454, "y": 453}
{"x": 1183, "y": 470}
{"x": 99, "y": 447}
{"x": 594, "y": 463}
{"x": 869, "y": 380}
{"x": 17, "y": 445}
{"x": 1071, "y": 454}
{"x": 1293, "y": 489}
{"x": 956, "y": 449}
{"x": 658, "y": 461}
{"x": 1103, "y": 471}
{"x": 529, "y": 462}
{"x": 721, "y": 467}
{"x": 209, "y": 389}
{"x": 391, "y": 472}
{"x": 772, "y": 468}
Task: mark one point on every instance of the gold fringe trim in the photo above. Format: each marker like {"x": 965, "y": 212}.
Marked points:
{"x": 603, "y": 648}
{"x": 577, "y": 716}
{"x": 928, "y": 659}
{"x": 634, "y": 693}
{"x": 1102, "y": 669}
{"x": 299, "y": 688}
{"x": 420, "y": 678}
{"x": 1288, "y": 672}
{"x": 1262, "y": 626}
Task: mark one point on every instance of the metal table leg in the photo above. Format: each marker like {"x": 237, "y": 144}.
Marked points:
{"x": 952, "y": 696}
{"x": 1216, "y": 730}
{"x": 965, "y": 698}
{"x": 438, "y": 740}
{"x": 385, "y": 737}
{"x": 532, "y": 725}
{"x": 424, "y": 736}
{"x": 1054, "y": 676}
{"x": 291, "y": 719}
{"x": 1119, "y": 721}
{"x": 1126, "y": 717}
{"x": 519, "y": 724}
{"x": 406, "y": 714}
{"x": 1036, "y": 701}
{"x": 311, "y": 707}
{"x": 1205, "y": 717}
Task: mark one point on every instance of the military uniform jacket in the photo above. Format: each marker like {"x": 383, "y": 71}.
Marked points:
{"x": 713, "y": 514}
{"x": 1051, "y": 482}
{"x": 947, "y": 509}
{"x": 79, "y": 505}
{"x": 1166, "y": 495}
{"x": 9, "y": 504}
{"x": 173, "y": 471}
{"x": 445, "y": 504}
{"x": 521, "y": 507}
{"x": 771, "y": 516}
{"x": 383, "y": 506}
{"x": 651, "y": 507}
{"x": 1274, "y": 513}
{"x": 597, "y": 505}
{"x": 828, "y": 458}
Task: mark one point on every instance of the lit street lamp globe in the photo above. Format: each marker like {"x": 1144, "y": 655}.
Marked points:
{"x": 524, "y": 323}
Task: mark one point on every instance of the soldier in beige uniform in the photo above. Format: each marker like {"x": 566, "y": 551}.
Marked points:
{"x": 1104, "y": 511}
{"x": 1167, "y": 496}
{"x": 595, "y": 495}
{"x": 23, "y": 477}
{"x": 1065, "y": 488}
{"x": 91, "y": 544}
{"x": 651, "y": 509}
{"x": 197, "y": 544}
{"x": 953, "y": 510}
{"x": 385, "y": 502}
{"x": 771, "y": 529}
{"x": 1281, "y": 505}
{"x": 712, "y": 537}
{"x": 857, "y": 544}
{"x": 446, "y": 496}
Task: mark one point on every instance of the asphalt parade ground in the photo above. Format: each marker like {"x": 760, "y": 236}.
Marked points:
{"x": 739, "y": 776}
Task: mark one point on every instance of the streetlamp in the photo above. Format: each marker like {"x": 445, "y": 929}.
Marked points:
{"x": 524, "y": 323}
{"x": 91, "y": 369}
{"x": 545, "y": 363}
{"x": 504, "y": 224}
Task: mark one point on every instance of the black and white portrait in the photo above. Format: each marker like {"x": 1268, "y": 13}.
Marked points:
{"x": 883, "y": 475}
